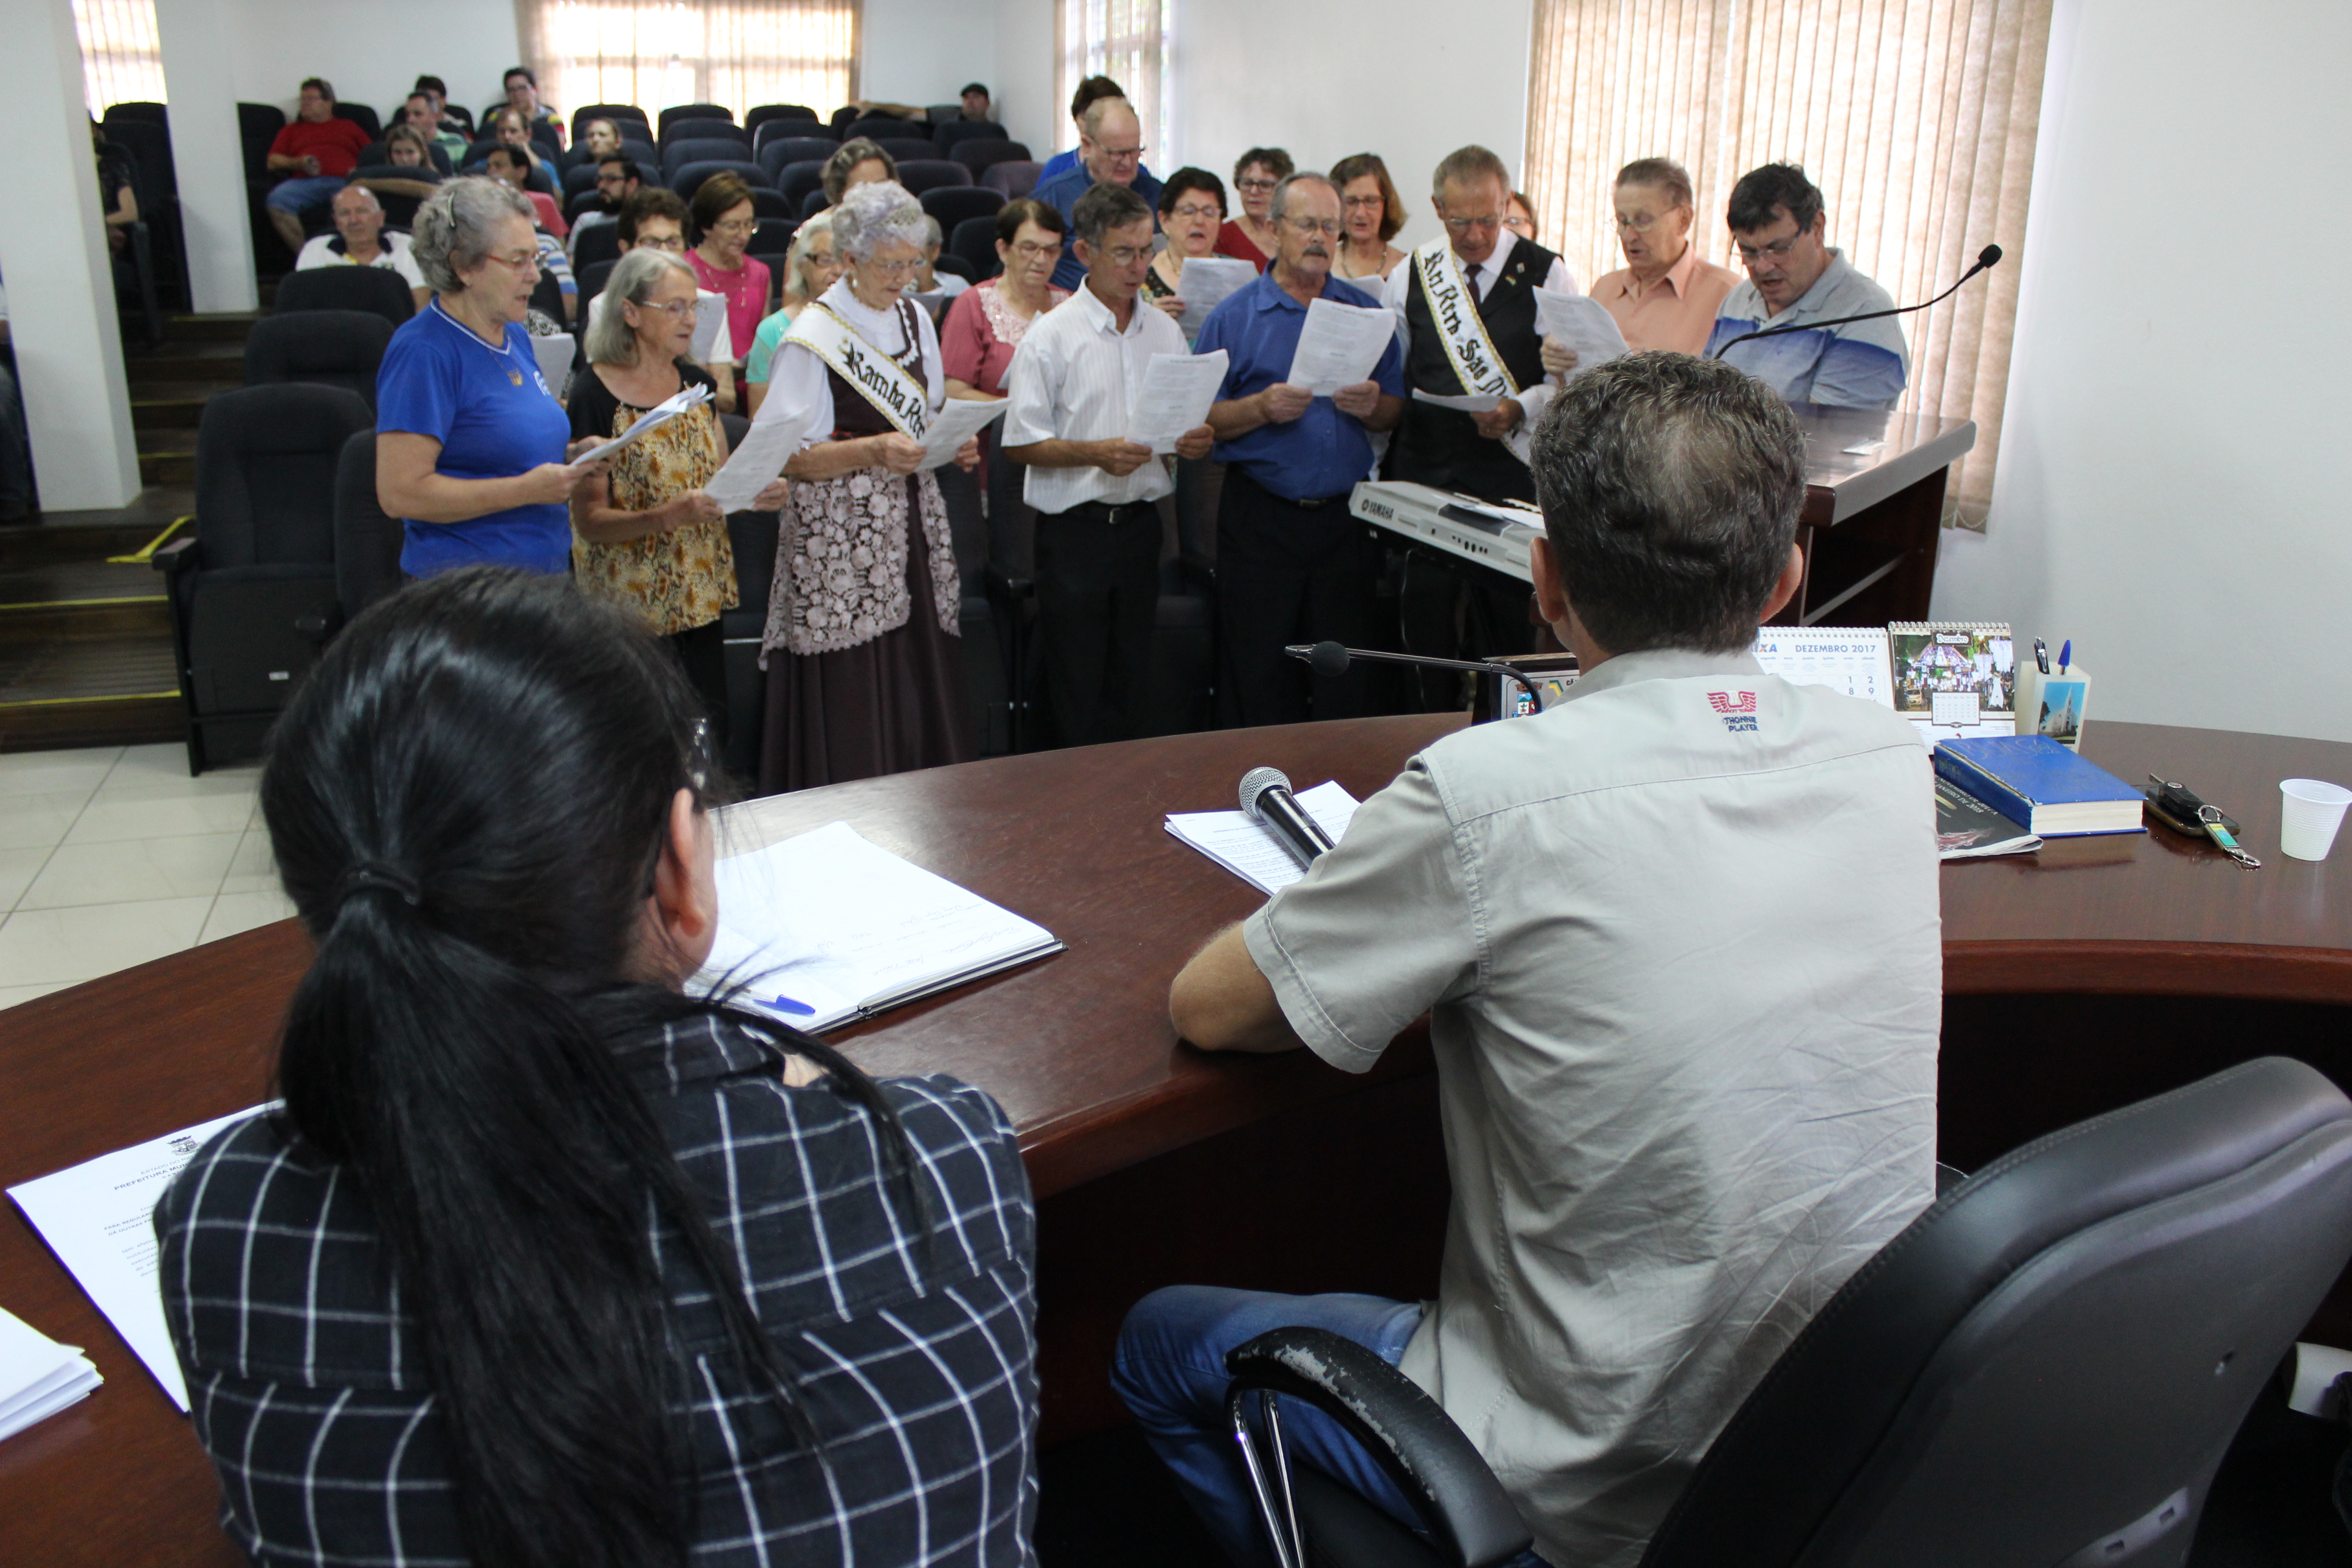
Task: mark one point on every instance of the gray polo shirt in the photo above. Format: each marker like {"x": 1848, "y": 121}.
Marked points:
{"x": 1679, "y": 942}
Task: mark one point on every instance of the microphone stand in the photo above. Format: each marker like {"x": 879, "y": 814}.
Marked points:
{"x": 1990, "y": 253}
{"x": 1305, "y": 652}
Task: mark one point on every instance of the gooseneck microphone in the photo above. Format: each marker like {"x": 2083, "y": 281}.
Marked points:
{"x": 1266, "y": 798}
{"x": 1328, "y": 658}
{"x": 1985, "y": 258}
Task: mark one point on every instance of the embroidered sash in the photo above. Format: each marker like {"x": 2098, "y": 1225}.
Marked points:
{"x": 896, "y": 393}
{"x": 1459, "y": 326}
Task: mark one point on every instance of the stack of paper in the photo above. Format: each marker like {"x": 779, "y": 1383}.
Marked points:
{"x": 829, "y": 928}
{"x": 38, "y": 1377}
{"x": 652, "y": 419}
{"x": 1249, "y": 849}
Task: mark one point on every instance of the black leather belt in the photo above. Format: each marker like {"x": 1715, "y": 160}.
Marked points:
{"x": 1311, "y": 502}
{"x": 1107, "y": 512}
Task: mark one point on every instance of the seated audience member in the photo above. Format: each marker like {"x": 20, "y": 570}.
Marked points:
{"x": 511, "y": 165}
{"x": 857, "y": 161}
{"x": 601, "y": 138}
{"x": 810, "y": 267}
{"x": 405, "y": 147}
{"x": 1519, "y": 216}
{"x": 1191, "y": 210}
{"x": 511, "y": 129}
{"x": 724, "y": 217}
{"x": 1666, "y": 296}
{"x": 929, "y": 279}
{"x": 318, "y": 151}
{"x": 975, "y": 106}
{"x": 1089, "y": 91}
{"x": 988, "y": 322}
{"x": 116, "y": 198}
{"x": 1110, "y": 153}
{"x": 1683, "y": 975}
{"x": 1374, "y": 212}
{"x": 456, "y": 120}
{"x": 1095, "y": 491}
{"x": 358, "y": 240}
{"x": 1292, "y": 565}
{"x": 645, "y": 534}
{"x": 470, "y": 442}
{"x": 522, "y": 96}
{"x": 1250, "y": 237}
{"x": 617, "y": 179}
{"x": 544, "y": 1260}
{"x": 424, "y": 115}
{"x": 1793, "y": 278}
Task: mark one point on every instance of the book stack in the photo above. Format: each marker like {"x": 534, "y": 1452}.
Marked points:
{"x": 38, "y": 1377}
{"x": 2041, "y": 785}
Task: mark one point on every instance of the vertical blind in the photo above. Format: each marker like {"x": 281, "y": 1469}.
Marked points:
{"x": 1916, "y": 118}
{"x": 121, "y": 61}
{"x": 738, "y": 53}
{"x": 1125, "y": 40}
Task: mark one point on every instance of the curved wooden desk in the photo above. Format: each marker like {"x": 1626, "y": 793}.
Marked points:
{"x": 1155, "y": 1163}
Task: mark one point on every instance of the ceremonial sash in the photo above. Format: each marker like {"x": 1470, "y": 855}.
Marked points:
{"x": 895, "y": 392}
{"x": 1459, "y": 326}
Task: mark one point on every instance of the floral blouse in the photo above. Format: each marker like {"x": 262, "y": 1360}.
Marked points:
{"x": 683, "y": 578}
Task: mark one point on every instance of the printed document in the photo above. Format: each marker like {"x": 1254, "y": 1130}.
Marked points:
{"x": 709, "y": 320}
{"x": 652, "y": 419}
{"x": 1581, "y": 322}
{"x": 38, "y": 1377}
{"x": 1340, "y": 346}
{"x": 828, "y": 928}
{"x": 1175, "y": 396}
{"x": 1205, "y": 284}
{"x": 756, "y": 460}
{"x": 1249, "y": 849}
{"x": 98, "y": 1217}
{"x": 957, "y": 421}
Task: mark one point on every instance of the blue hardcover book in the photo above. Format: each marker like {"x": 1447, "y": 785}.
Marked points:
{"x": 2041, "y": 785}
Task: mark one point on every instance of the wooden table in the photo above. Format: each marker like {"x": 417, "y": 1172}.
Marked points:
{"x": 1153, "y": 1162}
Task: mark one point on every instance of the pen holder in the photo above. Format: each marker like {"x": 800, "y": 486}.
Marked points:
{"x": 2056, "y": 704}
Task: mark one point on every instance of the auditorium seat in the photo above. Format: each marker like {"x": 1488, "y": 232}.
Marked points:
{"x": 752, "y": 536}
{"x": 600, "y": 243}
{"x": 367, "y": 543}
{"x": 328, "y": 348}
{"x": 920, "y": 174}
{"x": 591, "y": 279}
{"x": 780, "y": 153}
{"x": 808, "y": 130}
{"x": 949, "y": 134}
{"x": 981, "y": 155}
{"x": 361, "y": 115}
{"x": 1014, "y": 178}
{"x": 707, "y": 131}
{"x": 689, "y": 177}
{"x": 877, "y": 128}
{"x": 795, "y": 181}
{"x": 376, "y": 289}
{"x": 703, "y": 150}
{"x": 952, "y": 204}
{"x": 974, "y": 241}
{"x": 619, "y": 113}
{"x": 760, "y": 114}
{"x": 767, "y": 203}
{"x": 773, "y": 237}
{"x": 906, "y": 150}
{"x": 813, "y": 203}
{"x": 692, "y": 112}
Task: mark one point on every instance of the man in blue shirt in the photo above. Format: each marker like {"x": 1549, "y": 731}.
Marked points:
{"x": 1292, "y": 565}
{"x": 1110, "y": 151}
{"x": 1794, "y": 279}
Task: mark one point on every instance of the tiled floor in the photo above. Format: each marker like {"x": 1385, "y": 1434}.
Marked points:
{"x": 112, "y": 856}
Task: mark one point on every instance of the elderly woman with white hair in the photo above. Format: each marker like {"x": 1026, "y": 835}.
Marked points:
{"x": 647, "y": 534}
{"x": 470, "y": 449}
{"x": 864, "y": 677}
{"x": 811, "y": 267}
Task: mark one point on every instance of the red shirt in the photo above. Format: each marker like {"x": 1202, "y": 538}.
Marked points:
{"x": 1232, "y": 242}
{"x": 336, "y": 143}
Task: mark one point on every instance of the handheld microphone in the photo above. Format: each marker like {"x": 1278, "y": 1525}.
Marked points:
{"x": 1328, "y": 658}
{"x": 1985, "y": 258}
{"x": 1266, "y": 798}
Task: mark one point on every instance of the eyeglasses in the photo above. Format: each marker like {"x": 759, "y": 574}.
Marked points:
{"x": 890, "y": 269}
{"x": 1776, "y": 251}
{"x": 1323, "y": 226}
{"x": 1029, "y": 250}
{"x": 1119, "y": 155}
{"x": 676, "y": 310}
{"x": 1465, "y": 225}
{"x": 670, "y": 242}
{"x": 1362, "y": 202}
{"x": 1258, "y": 185}
{"x": 1195, "y": 209}
{"x": 525, "y": 260}
{"x": 1126, "y": 254}
{"x": 1642, "y": 225}
{"x": 735, "y": 226}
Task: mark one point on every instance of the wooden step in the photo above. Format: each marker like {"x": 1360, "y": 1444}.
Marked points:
{"x": 181, "y": 407}
{"x": 57, "y": 541}
{"x": 182, "y": 362}
{"x": 211, "y": 327}
{"x": 166, "y": 456}
{"x": 62, "y": 723}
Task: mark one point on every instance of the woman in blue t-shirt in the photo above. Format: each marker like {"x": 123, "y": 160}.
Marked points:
{"x": 473, "y": 453}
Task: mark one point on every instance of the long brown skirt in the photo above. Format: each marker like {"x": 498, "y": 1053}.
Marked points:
{"x": 888, "y": 706}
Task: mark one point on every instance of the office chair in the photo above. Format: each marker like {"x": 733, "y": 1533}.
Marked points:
{"x": 253, "y": 593}
{"x": 2045, "y": 1368}
{"x": 379, "y": 289}
{"x": 331, "y": 348}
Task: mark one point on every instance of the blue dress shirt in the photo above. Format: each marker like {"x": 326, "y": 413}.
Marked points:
{"x": 1062, "y": 193}
{"x": 1323, "y": 452}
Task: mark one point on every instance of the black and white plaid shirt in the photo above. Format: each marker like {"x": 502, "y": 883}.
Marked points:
{"x": 916, "y": 1365}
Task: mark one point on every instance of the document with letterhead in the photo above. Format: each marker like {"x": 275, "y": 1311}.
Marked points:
{"x": 1249, "y": 849}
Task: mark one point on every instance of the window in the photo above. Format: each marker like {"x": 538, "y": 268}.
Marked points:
{"x": 1917, "y": 118}
{"x": 1125, "y": 40}
{"x": 738, "y": 53}
{"x": 122, "y": 62}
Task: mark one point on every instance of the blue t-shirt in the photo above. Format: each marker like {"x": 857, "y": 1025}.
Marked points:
{"x": 1061, "y": 192}
{"x": 494, "y": 417}
{"x": 1323, "y": 452}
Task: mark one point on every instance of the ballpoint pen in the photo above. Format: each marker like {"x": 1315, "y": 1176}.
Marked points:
{"x": 2041, "y": 656}
{"x": 2066, "y": 655}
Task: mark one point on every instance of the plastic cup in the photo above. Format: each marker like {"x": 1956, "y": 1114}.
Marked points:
{"x": 2310, "y": 811}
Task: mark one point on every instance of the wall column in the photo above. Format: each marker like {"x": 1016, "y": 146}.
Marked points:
{"x": 208, "y": 153}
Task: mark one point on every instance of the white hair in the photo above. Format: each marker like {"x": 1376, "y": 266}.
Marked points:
{"x": 611, "y": 339}
{"x": 873, "y": 214}
{"x": 453, "y": 229}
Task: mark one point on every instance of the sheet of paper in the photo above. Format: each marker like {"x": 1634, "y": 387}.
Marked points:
{"x": 709, "y": 318}
{"x": 1470, "y": 402}
{"x": 1581, "y": 322}
{"x": 756, "y": 460}
{"x": 555, "y": 355}
{"x": 1175, "y": 396}
{"x": 828, "y": 925}
{"x": 1205, "y": 284}
{"x": 98, "y": 1217}
{"x": 652, "y": 419}
{"x": 1340, "y": 345}
{"x": 958, "y": 421}
{"x": 1250, "y": 850}
{"x": 38, "y": 1377}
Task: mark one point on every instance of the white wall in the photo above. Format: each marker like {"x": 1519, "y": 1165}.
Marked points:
{"x": 372, "y": 51}
{"x": 922, "y": 51}
{"x": 2173, "y": 474}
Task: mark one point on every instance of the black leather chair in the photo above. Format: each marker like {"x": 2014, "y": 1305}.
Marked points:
{"x": 367, "y": 543}
{"x": 2044, "y": 1368}
{"x": 908, "y": 150}
{"x": 954, "y": 205}
{"x": 325, "y": 348}
{"x": 767, "y": 203}
{"x": 795, "y": 181}
{"x": 760, "y": 116}
{"x": 677, "y": 112}
{"x": 361, "y": 115}
{"x": 707, "y": 131}
{"x": 812, "y": 203}
{"x": 689, "y": 177}
{"x": 590, "y": 279}
{"x": 151, "y": 112}
{"x": 600, "y": 242}
{"x": 773, "y": 237}
{"x": 920, "y": 174}
{"x": 973, "y": 241}
{"x": 778, "y": 153}
{"x": 1016, "y": 177}
{"x": 951, "y": 133}
{"x": 619, "y": 113}
{"x": 253, "y": 593}
{"x": 981, "y": 155}
{"x": 876, "y": 127}
{"x": 677, "y": 155}
{"x": 376, "y": 289}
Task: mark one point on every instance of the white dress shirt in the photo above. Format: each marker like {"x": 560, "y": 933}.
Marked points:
{"x": 1073, "y": 378}
{"x": 1481, "y": 277}
{"x": 1679, "y": 944}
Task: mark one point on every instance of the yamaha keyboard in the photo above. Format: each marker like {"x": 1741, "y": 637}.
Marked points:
{"x": 1490, "y": 533}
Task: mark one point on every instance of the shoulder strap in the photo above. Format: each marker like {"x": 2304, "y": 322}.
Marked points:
{"x": 1477, "y": 361}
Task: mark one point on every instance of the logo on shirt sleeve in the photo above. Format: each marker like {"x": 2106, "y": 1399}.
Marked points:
{"x": 1736, "y": 708}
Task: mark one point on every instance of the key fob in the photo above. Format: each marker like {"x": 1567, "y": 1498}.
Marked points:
{"x": 2177, "y": 806}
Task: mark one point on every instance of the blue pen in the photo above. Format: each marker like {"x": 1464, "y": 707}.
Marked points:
{"x": 786, "y": 1004}
{"x": 2066, "y": 655}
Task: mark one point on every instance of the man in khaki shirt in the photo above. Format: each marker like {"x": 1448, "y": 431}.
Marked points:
{"x": 1678, "y": 940}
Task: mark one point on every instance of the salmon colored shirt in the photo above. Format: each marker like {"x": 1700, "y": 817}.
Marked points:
{"x": 1676, "y": 312}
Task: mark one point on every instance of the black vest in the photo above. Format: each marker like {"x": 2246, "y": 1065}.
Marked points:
{"x": 1441, "y": 446}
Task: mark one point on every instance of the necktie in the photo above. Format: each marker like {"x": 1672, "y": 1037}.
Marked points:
{"x": 1477, "y": 285}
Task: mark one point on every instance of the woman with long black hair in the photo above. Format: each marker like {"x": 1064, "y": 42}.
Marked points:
{"x": 544, "y": 1261}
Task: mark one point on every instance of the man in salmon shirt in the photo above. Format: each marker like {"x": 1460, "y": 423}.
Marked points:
{"x": 320, "y": 152}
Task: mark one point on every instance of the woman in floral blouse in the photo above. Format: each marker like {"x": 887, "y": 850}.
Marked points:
{"x": 647, "y": 534}
{"x": 864, "y": 676}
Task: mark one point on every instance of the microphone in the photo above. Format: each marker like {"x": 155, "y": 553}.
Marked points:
{"x": 1266, "y": 798}
{"x": 1328, "y": 658}
{"x": 1985, "y": 258}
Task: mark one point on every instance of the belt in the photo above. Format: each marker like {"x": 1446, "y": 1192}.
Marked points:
{"x": 1112, "y": 511}
{"x": 1305, "y": 503}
